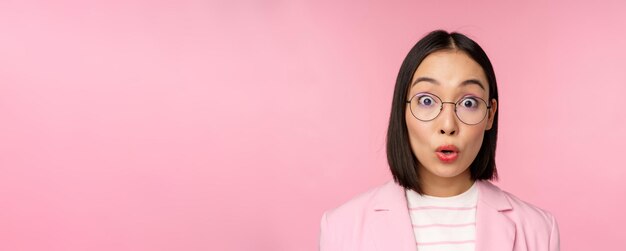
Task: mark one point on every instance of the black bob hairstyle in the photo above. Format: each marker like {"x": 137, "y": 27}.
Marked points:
{"x": 402, "y": 161}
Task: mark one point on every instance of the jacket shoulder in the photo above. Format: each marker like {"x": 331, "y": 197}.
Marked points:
{"x": 528, "y": 210}
{"x": 357, "y": 205}
{"x": 505, "y": 201}
{"x": 342, "y": 226}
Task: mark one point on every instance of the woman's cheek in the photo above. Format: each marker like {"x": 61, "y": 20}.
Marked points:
{"x": 476, "y": 143}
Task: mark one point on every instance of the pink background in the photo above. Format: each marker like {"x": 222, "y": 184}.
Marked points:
{"x": 186, "y": 125}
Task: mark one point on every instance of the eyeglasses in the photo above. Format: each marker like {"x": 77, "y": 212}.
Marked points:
{"x": 470, "y": 110}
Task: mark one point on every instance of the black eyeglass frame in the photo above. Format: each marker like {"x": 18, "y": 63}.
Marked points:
{"x": 455, "y": 105}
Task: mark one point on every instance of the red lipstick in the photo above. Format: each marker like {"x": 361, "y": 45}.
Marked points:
{"x": 447, "y": 153}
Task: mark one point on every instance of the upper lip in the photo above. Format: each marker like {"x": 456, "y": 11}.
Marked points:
{"x": 451, "y": 148}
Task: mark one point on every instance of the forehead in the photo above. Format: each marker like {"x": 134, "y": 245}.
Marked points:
{"x": 450, "y": 69}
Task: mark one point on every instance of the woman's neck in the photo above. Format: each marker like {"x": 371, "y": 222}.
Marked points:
{"x": 433, "y": 185}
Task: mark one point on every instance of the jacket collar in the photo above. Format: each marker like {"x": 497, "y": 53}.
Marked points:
{"x": 391, "y": 196}
{"x": 392, "y": 227}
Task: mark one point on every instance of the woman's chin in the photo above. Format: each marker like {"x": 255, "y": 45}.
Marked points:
{"x": 446, "y": 171}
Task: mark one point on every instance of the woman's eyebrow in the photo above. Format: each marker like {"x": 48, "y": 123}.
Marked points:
{"x": 433, "y": 81}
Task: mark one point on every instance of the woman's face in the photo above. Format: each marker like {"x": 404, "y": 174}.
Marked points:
{"x": 445, "y": 74}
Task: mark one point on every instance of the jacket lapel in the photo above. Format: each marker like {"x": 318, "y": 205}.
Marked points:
{"x": 392, "y": 229}
{"x": 494, "y": 230}
{"x": 391, "y": 224}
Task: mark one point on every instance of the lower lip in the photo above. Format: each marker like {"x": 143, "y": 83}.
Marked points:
{"x": 447, "y": 158}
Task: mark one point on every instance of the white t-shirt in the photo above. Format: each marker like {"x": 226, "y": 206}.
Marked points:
{"x": 444, "y": 223}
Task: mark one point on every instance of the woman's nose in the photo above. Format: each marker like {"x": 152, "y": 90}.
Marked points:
{"x": 448, "y": 120}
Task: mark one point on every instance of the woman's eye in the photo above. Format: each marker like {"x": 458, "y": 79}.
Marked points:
{"x": 469, "y": 103}
{"x": 426, "y": 100}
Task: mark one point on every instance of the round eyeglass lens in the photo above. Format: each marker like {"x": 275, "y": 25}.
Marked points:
{"x": 425, "y": 106}
{"x": 471, "y": 110}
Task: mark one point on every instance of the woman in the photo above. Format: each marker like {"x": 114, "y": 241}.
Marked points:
{"x": 441, "y": 146}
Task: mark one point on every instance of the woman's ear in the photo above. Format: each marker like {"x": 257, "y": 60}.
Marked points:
{"x": 492, "y": 113}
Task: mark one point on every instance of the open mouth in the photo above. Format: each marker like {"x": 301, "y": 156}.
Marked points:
{"x": 447, "y": 153}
